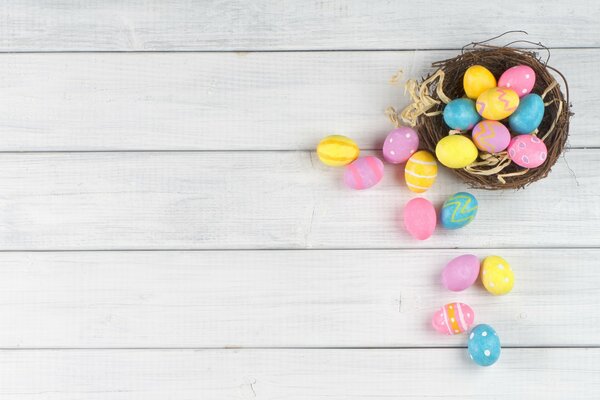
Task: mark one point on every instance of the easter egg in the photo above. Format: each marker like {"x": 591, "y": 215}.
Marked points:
{"x": 491, "y": 136}
{"x": 496, "y": 275}
{"x": 453, "y": 318}
{"x": 459, "y": 210}
{"x": 363, "y": 173}
{"x": 478, "y": 79}
{"x": 527, "y": 151}
{"x": 484, "y": 345}
{"x": 420, "y": 171}
{"x": 456, "y": 151}
{"x": 461, "y": 272}
{"x": 400, "y": 144}
{"x": 461, "y": 114}
{"x": 337, "y": 150}
{"x": 520, "y": 78}
{"x": 528, "y": 116}
{"x": 419, "y": 218}
{"x": 497, "y": 103}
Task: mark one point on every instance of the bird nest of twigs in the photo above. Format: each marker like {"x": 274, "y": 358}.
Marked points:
{"x": 489, "y": 171}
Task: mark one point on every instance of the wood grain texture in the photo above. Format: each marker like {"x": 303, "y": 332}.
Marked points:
{"x": 298, "y": 374}
{"x": 30, "y": 25}
{"x": 285, "y": 299}
{"x": 269, "y": 200}
{"x": 228, "y": 101}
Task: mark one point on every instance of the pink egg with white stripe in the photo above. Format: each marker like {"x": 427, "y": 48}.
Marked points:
{"x": 400, "y": 144}
{"x": 453, "y": 318}
{"x": 363, "y": 173}
{"x": 520, "y": 78}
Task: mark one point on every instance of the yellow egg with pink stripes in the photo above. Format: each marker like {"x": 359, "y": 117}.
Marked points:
{"x": 420, "y": 171}
{"x": 497, "y": 103}
{"x": 453, "y": 318}
{"x": 337, "y": 150}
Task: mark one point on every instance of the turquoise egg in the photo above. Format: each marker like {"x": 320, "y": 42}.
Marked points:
{"x": 459, "y": 210}
{"x": 528, "y": 116}
{"x": 461, "y": 114}
{"x": 484, "y": 345}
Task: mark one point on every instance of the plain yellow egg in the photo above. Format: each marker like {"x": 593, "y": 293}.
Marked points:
{"x": 456, "y": 151}
{"x": 478, "y": 79}
{"x": 496, "y": 275}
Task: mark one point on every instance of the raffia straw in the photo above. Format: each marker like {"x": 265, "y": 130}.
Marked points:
{"x": 421, "y": 101}
{"x": 393, "y": 116}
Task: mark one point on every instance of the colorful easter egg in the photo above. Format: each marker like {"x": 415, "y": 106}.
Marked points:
{"x": 461, "y": 272}
{"x": 497, "y": 103}
{"x": 453, "y": 318}
{"x": 496, "y": 275}
{"x": 491, "y": 136}
{"x": 363, "y": 173}
{"x": 459, "y": 210}
{"x": 400, "y": 144}
{"x": 456, "y": 151}
{"x": 484, "y": 345}
{"x": 461, "y": 114}
{"x": 527, "y": 151}
{"x": 337, "y": 150}
{"x": 419, "y": 218}
{"x": 520, "y": 78}
{"x": 528, "y": 116}
{"x": 420, "y": 171}
{"x": 478, "y": 79}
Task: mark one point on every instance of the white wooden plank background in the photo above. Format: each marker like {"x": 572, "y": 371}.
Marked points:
{"x": 148, "y": 126}
{"x": 228, "y": 101}
{"x": 285, "y": 299}
{"x": 71, "y": 25}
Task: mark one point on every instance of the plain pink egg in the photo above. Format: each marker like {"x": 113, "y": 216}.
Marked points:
{"x": 420, "y": 218}
{"x": 461, "y": 272}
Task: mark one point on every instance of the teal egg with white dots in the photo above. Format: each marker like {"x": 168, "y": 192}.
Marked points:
{"x": 484, "y": 345}
{"x": 459, "y": 210}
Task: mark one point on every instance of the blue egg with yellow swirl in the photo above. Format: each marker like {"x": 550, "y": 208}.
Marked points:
{"x": 528, "y": 116}
{"x": 461, "y": 114}
{"x": 459, "y": 210}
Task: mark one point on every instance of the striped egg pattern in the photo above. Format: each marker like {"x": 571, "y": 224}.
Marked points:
{"x": 420, "y": 171}
{"x": 459, "y": 210}
{"x": 453, "y": 318}
{"x": 363, "y": 173}
{"x": 337, "y": 150}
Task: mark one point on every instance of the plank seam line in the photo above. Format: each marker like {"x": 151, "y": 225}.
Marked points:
{"x": 280, "y": 348}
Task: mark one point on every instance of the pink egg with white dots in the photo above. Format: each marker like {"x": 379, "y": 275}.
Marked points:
{"x": 527, "y": 151}
{"x": 520, "y": 78}
{"x": 400, "y": 144}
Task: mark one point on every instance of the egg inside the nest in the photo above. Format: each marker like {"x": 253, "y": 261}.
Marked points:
{"x": 477, "y": 79}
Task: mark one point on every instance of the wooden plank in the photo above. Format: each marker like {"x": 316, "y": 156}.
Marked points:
{"x": 298, "y": 374}
{"x": 282, "y": 200}
{"x": 29, "y": 25}
{"x": 285, "y": 299}
{"x": 227, "y": 101}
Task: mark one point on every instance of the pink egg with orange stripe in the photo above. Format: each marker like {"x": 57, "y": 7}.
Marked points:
{"x": 363, "y": 173}
{"x": 453, "y": 318}
{"x": 491, "y": 136}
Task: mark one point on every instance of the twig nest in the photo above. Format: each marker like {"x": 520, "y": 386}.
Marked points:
{"x": 495, "y": 115}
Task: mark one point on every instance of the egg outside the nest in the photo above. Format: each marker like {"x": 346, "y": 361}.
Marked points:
{"x": 497, "y": 276}
{"x": 484, "y": 345}
{"x": 461, "y": 272}
{"x": 400, "y": 144}
{"x": 363, "y": 173}
{"x": 337, "y": 150}
{"x": 419, "y": 218}
{"x": 459, "y": 210}
{"x": 453, "y": 318}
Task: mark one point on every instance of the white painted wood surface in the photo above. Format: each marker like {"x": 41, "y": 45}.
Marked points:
{"x": 267, "y": 200}
{"x": 298, "y": 374}
{"x": 280, "y": 299}
{"x": 136, "y": 25}
{"x": 229, "y": 101}
{"x": 148, "y": 125}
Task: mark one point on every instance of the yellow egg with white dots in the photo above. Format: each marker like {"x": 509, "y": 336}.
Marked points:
{"x": 497, "y": 275}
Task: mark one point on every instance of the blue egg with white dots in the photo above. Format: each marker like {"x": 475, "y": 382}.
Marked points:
{"x": 528, "y": 116}
{"x": 484, "y": 345}
{"x": 459, "y": 210}
{"x": 461, "y": 114}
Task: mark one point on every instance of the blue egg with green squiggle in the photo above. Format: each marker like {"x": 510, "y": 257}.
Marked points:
{"x": 528, "y": 116}
{"x": 459, "y": 210}
{"x": 484, "y": 345}
{"x": 461, "y": 114}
